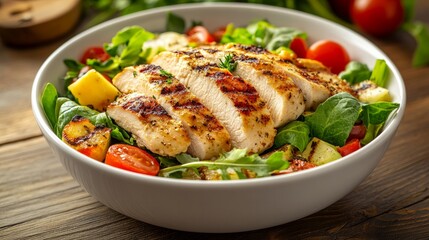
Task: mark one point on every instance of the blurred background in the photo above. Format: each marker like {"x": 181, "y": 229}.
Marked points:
{"x": 30, "y": 23}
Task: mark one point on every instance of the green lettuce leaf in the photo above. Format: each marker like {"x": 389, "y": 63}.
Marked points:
{"x": 333, "y": 119}
{"x": 295, "y": 133}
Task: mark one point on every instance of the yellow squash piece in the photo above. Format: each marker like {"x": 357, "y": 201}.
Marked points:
{"x": 94, "y": 90}
{"x": 369, "y": 92}
{"x": 320, "y": 152}
{"x": 86, "y": 138}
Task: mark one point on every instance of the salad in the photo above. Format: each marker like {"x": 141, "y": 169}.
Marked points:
{"x": 343, "y": 123}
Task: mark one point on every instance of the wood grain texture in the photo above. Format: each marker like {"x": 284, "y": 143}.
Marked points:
{"x": 40, "y": 200}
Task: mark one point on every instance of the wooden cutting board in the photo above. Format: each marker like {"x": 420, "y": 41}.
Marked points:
{"x": 32, "y": 22}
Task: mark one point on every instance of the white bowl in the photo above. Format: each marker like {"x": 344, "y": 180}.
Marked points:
{"x": 225, "y": 206}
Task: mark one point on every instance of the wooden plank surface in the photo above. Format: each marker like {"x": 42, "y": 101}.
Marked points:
{"x": 40, "y": 200}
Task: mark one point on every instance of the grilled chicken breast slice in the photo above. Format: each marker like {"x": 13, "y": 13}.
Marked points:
{"x": 149, "y": 124}
{"x": 284, "y": 99}
{"x": 208, "y": 137}
{"x": 235, "y": 103}
{"x": 315, "y": 81}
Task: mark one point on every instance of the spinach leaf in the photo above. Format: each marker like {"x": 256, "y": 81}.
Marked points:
{"x": 355, "y": 72}
{"x": 333, "y": 119}
{"x": 295, "y": 133}
{"x": 377, "y": 113}
{"x": 117, "y": 132}
{"x": 49, "y": 99}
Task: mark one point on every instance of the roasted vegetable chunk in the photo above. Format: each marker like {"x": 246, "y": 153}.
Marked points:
{"x": 94, "y": 90}
{"x": 87, "y": 138}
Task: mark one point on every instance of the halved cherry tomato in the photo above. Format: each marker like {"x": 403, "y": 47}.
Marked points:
{"x": 350, "y": 147}
{"x": 377, "y": 17}
{"x": 132, "y": 158}
{"x": 330, "y": 53}
{"x": 94, "y": 53}
{"x": 199, "y": 34}
{"x": 299, "y": 47}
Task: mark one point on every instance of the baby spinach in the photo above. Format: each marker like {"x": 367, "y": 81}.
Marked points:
{"x": 377, "y": 113}
{"x": 333, "y": 119}
{"x": 49, "y": 98}
{"x": 295, "y": 133}
{"x": 355, "y": 72}
{"x": 374, "y": 116}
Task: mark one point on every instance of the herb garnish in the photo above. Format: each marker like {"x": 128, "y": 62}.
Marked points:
{"x": 228, "y": 63}
{"x": 166, "y": 74}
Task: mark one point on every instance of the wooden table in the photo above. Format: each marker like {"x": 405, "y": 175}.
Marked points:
{"x": 39, "y": 199}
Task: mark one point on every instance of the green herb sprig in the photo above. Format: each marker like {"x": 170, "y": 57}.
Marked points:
{"x": 228, "y": 63}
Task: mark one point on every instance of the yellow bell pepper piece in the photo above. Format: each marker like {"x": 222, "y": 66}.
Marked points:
{"x": 94, "y": 90}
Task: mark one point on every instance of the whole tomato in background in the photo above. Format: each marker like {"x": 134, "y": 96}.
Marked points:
{"x": 377, "y": 17}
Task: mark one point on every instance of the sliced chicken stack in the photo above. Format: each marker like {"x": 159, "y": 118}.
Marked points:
{"x": 285, "y": 100}
{"x": 208, "y": 136}
{"x": 184, "y": 102}
{"x": 234, "y": 102}
{"x": 316, "y": 82}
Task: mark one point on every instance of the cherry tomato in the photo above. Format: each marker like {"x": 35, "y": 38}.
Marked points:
{"x": 299, "y": 47}
{"x": 199, "y": 34}
{"x": 330, "y": 53}
{"x": 350, "y": 147}
{"x": 132, "y": 158}
{"x": 377, "y": 17}
{"x": 358, "y": 132}
{"x": 94, "y": 53}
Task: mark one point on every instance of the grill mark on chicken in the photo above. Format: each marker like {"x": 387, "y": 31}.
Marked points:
{"x": 284, "y": 99}
{"x": 145, "y": 107}
{"x": 208, "y": 136}
{"x": 314, "y": 79}
{"x": 233, "y": 101}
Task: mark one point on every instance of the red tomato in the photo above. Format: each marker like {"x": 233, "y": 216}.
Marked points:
{"x": 330, "y": 53}
{"x": 377, "y": 17}
{"x": 132, "y": 158}
{"x": 299, "y": 47}
{"x": 94, "y": 53}
{"x": 350, "y": 147}
{"x": 199, "y": 34}
{"x": 358, "y": 132}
